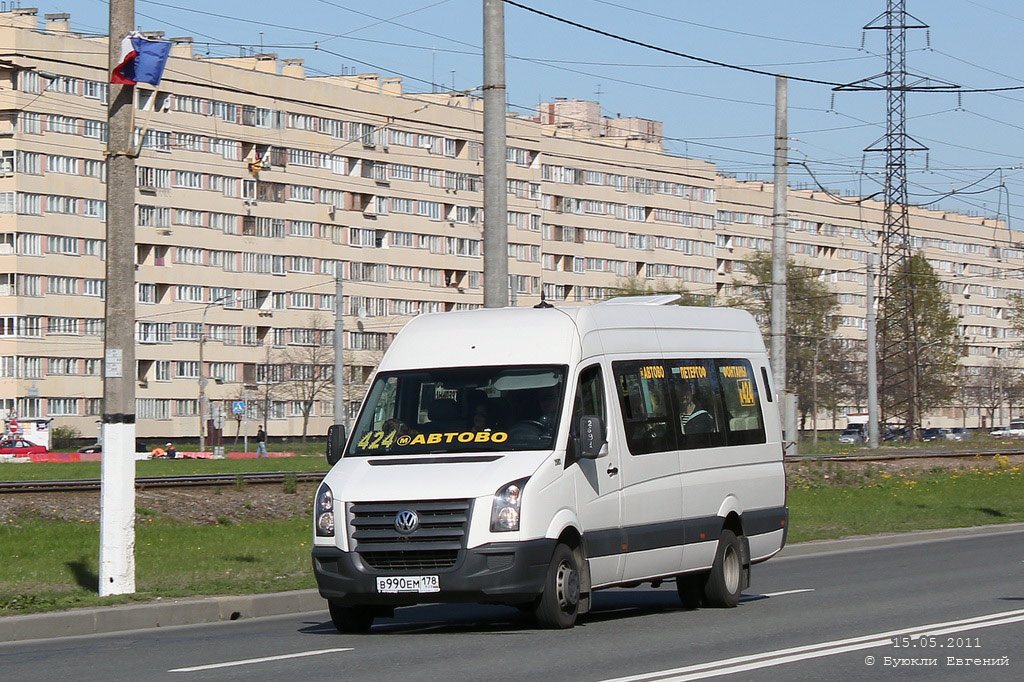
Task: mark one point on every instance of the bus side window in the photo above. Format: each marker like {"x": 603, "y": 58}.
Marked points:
{"x": 698, "y": 404}
{"x": 646, "y": 406}
{"x": 742, "y": 403}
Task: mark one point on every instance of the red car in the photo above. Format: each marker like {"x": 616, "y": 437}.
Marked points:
{"x": 21, "y": 447}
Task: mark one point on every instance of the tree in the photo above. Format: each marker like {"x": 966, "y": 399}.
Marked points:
{"x": 635, "y": 286}
{"x": 269, "y": 378}
{"x": 841, "y": 376}
{"x": 811, "y": 324}
{"x": 984, "y": 385}
{"x": 309, "y": 371}
{"x": 933, "y": 334}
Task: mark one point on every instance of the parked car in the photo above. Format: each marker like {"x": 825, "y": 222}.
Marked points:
{"x": 933, "y": 434}
{"x": 958, "y": 433}
{"x": 96, "y": 447}
{"x": 21, "y": 447}
{"x": 852, "y": 435}
{"x": 1014, "y": 430}
{"x": 893, "y": 434}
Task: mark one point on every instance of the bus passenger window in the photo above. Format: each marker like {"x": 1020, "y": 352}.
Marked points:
{"x": 695, "y": 389}
{"x": 742, "y": 404}
{"x": 645, "y": 405}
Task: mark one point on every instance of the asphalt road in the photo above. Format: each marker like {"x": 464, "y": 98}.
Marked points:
{"x": 813, "y": 617}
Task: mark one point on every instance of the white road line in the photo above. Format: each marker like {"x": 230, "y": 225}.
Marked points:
{"x": 781, "y": 594}
{"x": 265, "y": 659}
{"x": 782, "y": 656}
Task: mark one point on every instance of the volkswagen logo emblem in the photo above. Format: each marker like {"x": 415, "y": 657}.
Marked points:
{"x": 407, "y": 521}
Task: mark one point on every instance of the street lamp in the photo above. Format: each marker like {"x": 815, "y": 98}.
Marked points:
{"x": 202, "y": 372}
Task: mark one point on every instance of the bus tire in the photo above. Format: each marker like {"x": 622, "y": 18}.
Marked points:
{"x": 350, "y": 619}
{"x": 559, "y": 604}
{"x": 725, "y": 582}
{"x": 691, "y": 589}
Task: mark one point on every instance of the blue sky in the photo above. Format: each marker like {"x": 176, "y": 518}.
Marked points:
{"x": 975, "y": 141}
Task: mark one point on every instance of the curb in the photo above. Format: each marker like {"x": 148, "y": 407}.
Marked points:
{"x": 104, "y": 620}
{"x": 865, "y": 542}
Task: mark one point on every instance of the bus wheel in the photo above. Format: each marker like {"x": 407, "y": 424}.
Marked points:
{"x": 350, "y": 619}
{"x": 560, "y": 601}
{"x": 691, "y": 589}
{"x": 726, "y": 579}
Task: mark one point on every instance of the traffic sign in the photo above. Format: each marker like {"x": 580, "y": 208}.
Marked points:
{"x": 238, "y": 406}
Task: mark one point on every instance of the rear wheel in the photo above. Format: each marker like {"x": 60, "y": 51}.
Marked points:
{"x": 350, "y": 619}
{"x": 726, "y": 578}
{"x": 560, "y": 602}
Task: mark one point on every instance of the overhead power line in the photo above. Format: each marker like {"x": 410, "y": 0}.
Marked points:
{"x": 665, "y": 50}
{"x": 737, "y": 67}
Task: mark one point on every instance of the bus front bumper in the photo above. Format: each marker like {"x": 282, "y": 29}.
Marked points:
{"x": 501, "y": 572}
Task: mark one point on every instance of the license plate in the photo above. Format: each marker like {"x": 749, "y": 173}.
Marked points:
{"x": 409, "y": 583}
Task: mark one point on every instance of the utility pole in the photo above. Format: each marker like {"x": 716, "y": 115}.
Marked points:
{"x": 872, "y": 355}
{"x": 495, "y": 158}
{"x": 340, "y": 415}
{"x": 203, "y": 402}
{"x": 780, "y": 223}
{"x": 202, "y": 383}
{"x": 117, "y": 471}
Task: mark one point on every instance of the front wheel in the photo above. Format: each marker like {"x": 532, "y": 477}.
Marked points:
{"x": 350, "y": 619}
{"x": 560, "y": 602}
{"x": 726, "y": 579}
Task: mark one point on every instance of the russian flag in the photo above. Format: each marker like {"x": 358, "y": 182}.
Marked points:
{"x": 142, "y": 61}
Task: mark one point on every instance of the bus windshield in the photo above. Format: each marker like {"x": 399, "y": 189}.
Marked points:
{"x": 463, "y": 409}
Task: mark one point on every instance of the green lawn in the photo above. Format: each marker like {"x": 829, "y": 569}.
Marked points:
{"x": 157, "y": 467}
{"x": 52, "y": 565}
{"x": 882, "y": 503}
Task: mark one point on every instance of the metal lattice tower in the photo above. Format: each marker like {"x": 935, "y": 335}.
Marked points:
{"x": 897, "y": 330}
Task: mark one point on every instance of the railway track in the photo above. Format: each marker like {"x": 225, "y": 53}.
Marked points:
{"x": 197, "y": 480}
{"x": 144, "y": 482}
{"x": 890, "y": 456}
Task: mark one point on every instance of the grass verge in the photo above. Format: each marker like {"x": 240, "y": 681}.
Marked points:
{"x": 832, "y": 502}
{"x": 53, "y": 565}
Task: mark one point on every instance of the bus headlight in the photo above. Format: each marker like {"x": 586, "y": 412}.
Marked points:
{"x": 506, "y": 507}
{"x": 323, "y": 512}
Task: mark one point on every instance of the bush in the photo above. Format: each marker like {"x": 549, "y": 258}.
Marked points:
{"x": 63, "y": 437}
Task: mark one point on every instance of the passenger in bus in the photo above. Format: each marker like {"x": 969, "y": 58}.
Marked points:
{"x": 695, "y": 419}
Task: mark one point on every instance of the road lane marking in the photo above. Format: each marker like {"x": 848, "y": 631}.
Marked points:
{"x": 782, "y": 656}
{"x": 781, "y": 594}
{"x": 264, "y": 659}
{"x": 768, "y": 595}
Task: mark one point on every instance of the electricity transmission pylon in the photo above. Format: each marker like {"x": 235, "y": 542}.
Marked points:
{"x": 898, "y": 344}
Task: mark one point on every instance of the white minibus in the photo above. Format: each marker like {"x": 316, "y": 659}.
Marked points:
{"x": 529, "y": 456}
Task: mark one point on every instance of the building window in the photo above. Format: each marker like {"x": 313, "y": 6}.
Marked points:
{"x": 186, "y": 369}
{"x": 62, "y": 407}
{"x": 152, "y": 408}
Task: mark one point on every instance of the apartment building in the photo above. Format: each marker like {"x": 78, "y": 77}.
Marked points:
{"x": 257, "y": 182}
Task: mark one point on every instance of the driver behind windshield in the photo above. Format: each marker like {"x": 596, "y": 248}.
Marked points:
{"x": 538, "y": 416}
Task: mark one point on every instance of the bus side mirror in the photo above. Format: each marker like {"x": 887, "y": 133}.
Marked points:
{"x": 335, "y": 443}
{"x": 592, "y": 437}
